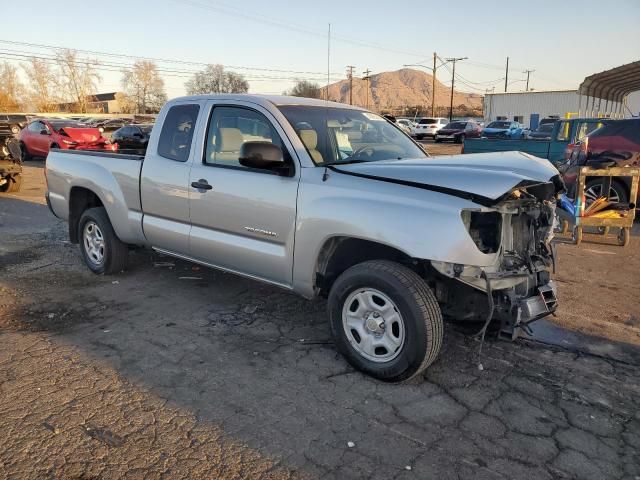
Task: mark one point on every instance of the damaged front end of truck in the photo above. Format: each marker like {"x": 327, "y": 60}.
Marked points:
{"x": 516, "y": 288}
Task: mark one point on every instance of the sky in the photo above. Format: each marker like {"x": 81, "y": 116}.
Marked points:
{"x": 276, "y": 42}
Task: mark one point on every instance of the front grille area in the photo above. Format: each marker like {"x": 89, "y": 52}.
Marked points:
{"x": 520, "y": 226}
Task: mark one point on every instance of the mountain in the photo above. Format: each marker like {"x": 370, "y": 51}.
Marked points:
{"x": 402, "y": 88}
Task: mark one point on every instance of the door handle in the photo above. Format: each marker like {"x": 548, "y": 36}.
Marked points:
{"x": 201, "y": 184}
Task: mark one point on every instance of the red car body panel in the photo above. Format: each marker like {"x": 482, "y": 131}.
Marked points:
{"x": 65, "y": 138}
{"x": 617, "y": 141}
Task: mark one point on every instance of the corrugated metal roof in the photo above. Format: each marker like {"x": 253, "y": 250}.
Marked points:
{"x": 614, "y": 84}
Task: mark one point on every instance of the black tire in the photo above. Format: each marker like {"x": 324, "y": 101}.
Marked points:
{"x": 115, "y": 253}
{"x": 460, "y": 138}
{"x": 437, "y": 140}
{"x": 24, "y": 153}
{"x": 417, "y": 305}
{"x": 617, "y": 187}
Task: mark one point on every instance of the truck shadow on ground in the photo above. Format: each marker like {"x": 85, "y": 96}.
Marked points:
{"x": 258, "y": 362}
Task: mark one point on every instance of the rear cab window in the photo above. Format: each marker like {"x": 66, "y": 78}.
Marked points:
{"x": 177, "y": 132}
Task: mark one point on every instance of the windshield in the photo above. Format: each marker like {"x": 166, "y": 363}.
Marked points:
{"x": 455, "y": 126}
{"x": 57, "y": 125}
{"x": 499, "y": 125}
{"x": 145, "y": 128}
{"x": 547, "y": 127}
{"x": 341, "y": 135}
{"x": 428, "y": 121}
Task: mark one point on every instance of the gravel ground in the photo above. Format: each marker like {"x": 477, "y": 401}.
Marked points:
{"x": 150, "y": 375}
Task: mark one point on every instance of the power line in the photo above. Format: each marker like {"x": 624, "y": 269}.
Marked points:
{"x": 119, "y": 67}
{"x": 237, "y": 12}
{"x": 159, "y": 59}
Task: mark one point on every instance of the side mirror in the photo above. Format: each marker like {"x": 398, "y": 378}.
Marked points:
{"x": 263, "y": 155}
{"x": 44, "y": 132}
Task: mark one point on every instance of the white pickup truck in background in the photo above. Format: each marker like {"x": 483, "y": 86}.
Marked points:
{"x": 325, "y": 199}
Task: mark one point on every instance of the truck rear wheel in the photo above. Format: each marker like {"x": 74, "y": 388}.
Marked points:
{"x": 101, "y": 249}
{"x": 385, "y": 320}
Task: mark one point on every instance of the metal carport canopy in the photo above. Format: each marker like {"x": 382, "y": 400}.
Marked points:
{"x": 613, "y": 85}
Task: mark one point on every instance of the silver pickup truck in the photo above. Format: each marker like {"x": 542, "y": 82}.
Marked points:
{"x": 326, "y": 199}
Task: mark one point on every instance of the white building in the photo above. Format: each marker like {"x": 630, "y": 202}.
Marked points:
{"x": 529, "y": 108}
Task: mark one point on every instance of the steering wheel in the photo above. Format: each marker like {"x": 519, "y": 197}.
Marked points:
{"x": 366, "y": 149}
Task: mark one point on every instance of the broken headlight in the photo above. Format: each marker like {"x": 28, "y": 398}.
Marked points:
{"x": 485, "y": 229}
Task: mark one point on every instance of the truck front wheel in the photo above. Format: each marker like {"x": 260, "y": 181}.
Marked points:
{"x": 101, "y": 249}
{"x": 385, "y": 320}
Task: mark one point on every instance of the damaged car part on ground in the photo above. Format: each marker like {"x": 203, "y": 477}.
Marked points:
{"x": 392, "y": 237}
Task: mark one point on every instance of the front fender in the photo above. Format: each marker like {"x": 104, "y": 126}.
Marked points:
{"x": 420, "y": 223}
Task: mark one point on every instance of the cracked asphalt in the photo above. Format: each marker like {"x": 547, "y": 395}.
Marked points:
{"x": 174, "y": 371}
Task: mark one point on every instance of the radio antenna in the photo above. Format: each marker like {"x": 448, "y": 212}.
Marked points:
{"x": 328, "y": 62}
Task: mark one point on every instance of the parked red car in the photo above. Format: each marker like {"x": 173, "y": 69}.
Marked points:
{"x": 42, "y": 134}
{"x": 616, "y": 143}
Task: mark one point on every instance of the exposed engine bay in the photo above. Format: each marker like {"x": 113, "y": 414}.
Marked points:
{"x": 517, "y": 288}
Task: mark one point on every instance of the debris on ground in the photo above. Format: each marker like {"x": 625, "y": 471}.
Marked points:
{"x": 351, "y": 444}
{"x": 164, "y": 264}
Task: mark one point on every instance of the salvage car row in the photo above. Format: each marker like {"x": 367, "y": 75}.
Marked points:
{"x": 43, "y": 134}
{"x": 442, "y": 130}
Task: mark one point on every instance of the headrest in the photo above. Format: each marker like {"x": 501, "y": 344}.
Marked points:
{"x": 309, "y": 138}
{"x": 231, "y": 139}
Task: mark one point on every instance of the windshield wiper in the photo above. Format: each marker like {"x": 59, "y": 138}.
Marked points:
{"x": 346, "y": 161}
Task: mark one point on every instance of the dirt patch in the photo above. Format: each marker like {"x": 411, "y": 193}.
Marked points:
{"x": 598, "y": 289}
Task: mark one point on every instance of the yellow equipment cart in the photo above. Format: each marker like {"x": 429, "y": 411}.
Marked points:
{"x": 624, "y": 223}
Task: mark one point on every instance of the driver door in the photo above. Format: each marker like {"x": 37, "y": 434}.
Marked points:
{"x": 244, "y": 219}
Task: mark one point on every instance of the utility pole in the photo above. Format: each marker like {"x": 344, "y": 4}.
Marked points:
{"x": 433, "y": 87}
{"x": 367, "y": 77}
{"x": 350, "y": 77}
{"x": 528, "y": 72}
{"x": 506, "y": 76}
{"x": 453, "y": 79}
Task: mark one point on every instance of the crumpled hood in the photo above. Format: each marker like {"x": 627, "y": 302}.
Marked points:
{"x": 83, "y": 135}
{"x": 488, "y": 175}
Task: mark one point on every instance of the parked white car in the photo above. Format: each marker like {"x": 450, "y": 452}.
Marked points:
{"x": 407, "y": 125}
{"x": 429, "y": 126}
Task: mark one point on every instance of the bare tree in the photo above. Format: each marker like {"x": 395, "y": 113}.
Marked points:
{"x": 304, "y": 88}
{"x": 77, "y": 78}
{"x": 213, "y": 79}
{"x": 144, "y": 87}
{"x": 11, "y": 89}
{"x": 41, "y": 92}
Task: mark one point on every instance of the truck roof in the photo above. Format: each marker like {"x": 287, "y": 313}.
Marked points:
{"x": 276, "y": 100}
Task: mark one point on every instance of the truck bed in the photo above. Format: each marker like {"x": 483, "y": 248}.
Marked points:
{"x": 113, "y": 177}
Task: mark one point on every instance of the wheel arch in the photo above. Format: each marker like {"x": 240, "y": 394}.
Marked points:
{"x": 338, "y": 253}
{"x": 80, "y": 199}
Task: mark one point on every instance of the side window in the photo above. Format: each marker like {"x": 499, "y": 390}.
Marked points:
{"x": 177, "y": 132}
{"x": 229, "y": 128}
{"x": 563, "y": 132}
{"x": 36, "y": 127}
